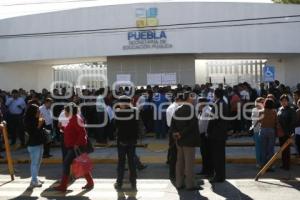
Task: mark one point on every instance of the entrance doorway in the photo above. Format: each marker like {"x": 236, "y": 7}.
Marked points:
{"x": 230, "y": 72}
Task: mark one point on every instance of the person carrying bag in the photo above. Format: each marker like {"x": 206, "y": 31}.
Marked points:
{"x": 75, "y": 137}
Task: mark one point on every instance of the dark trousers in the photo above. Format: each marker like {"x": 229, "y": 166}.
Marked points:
{"x": 16, "y": 128}
{"x": 70, "y": 155}
{"x": 207, "y": 167}
{"x": 297, "y": 142}
{"x": 172, "y": 161}
{"x": 286, "y": 154}
{"x": 236, "y": 123}
{"x": 109, "y": 130}
{"x": 126, "y": 150}
{"x": 147, "y": 117}
{"x": 217, "y": 150}
{"x": 68, "y": 160}
{"x": 63, "y": 148}
{"x": 47, "y": 146}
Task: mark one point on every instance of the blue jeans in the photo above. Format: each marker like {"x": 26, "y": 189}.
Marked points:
{"x": 36, "y": 156}
{"x": 257, "y": 140}
{"x": 267, "y": 136}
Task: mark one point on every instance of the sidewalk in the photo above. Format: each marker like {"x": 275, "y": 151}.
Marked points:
{"x": 153, "y": 184}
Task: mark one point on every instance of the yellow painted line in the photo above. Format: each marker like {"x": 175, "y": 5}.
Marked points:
{"x": 145, "y": 159}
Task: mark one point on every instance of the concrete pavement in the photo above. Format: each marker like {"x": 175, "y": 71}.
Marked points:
{"x": 153, "y": 184}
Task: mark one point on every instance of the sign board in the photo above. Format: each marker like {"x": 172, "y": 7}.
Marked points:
{"x": 161, "y": 79}
{"x": 147, "y": 38}
{"x": 269, "y": 73}
{"x": 124, "y": 77}
{"x": 169, "y": 79}
{"x": 153, "y": 79}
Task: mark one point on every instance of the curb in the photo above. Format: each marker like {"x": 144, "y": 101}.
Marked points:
{"x": 147, "y": 160}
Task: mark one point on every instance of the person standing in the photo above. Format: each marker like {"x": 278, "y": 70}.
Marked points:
{"x": 172, "y": 151}
{"x": 33, "y": 125}
{"x": 16, "y": 107}
{"x": 127, "y": 125}
{"x": 217, "y": 135}
{"x": 45, "y": 110}
{"x": 256, "y": 128}
{"x": 184, "y": 127}
{"x": 286, "y": 118}
{"x": 268, "y": 121}
{"x": 203, "y": 119}
{"x": 75, "y": 138}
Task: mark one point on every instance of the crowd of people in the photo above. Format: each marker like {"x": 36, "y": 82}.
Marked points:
{"x": 189, "y": 117}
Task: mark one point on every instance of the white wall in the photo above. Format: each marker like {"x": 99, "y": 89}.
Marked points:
{"x": 25, "y": 76}
{"x": 287, "y": 69}
{"x": 200, "y": 71}
{"x": 255, "y": 39}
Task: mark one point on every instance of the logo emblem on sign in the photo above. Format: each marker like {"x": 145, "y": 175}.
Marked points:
{"x": 146, "y": 17}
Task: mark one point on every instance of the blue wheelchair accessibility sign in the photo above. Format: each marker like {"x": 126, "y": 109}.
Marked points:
{"x": 269, "y": 73}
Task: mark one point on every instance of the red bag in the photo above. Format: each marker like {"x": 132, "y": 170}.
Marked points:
{"x": 82, "y": 165}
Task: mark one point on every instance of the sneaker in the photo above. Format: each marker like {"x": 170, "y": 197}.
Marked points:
{"x": 142, "y": 167}
{"x": 118, "y": 186}
{"x": 35, "y": 184}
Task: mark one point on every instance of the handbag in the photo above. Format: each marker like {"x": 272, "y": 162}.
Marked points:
{"x": 81, "y": 165}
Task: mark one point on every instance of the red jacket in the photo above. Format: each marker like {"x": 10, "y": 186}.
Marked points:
{"x": 75, "y": 133}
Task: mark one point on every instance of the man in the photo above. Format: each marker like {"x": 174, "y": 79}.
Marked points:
{"x": 203, "y": 119}
{"x": 128, "y": 128}
{"x": 45, "y": 110}
{"x": 216, "y": 133}
{"x": 184, "y": 128}
{"x": 172, "y": 152}
{"x": 16, "y": 107}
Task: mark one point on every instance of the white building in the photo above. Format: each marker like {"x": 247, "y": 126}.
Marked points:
{"x": 147, "y": 41}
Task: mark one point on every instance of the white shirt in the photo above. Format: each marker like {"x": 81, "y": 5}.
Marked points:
{"x": 255, "y": 117}
{"x": 63, "y": 120}
{"x": 170, "y": 112}
{"x": 46, "y": 114}
{"x": 203, "y": 119}
{"x": 245, "y": 95}
{"x": 110, "y": 113}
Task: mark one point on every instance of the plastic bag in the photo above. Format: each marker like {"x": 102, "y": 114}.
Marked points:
{"x": 82, "y": 165}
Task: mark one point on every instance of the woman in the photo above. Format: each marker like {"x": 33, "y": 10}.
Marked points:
{"x": 256, "y": 128}
{"x": 63, "y": 121}
{"x": 33, "y": 126}
{"x": 268, "y": 121}
{"x": 286, "y": 118}
{"x": 75, "y": 137}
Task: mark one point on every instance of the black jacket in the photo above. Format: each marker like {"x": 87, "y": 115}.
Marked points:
{"x": 287, "y": 119}
{"x": 35, "y": 134}
{"x": 128, "y": 125}
{"x": 187, "y": 126}
{"x": 218, "y": 126}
